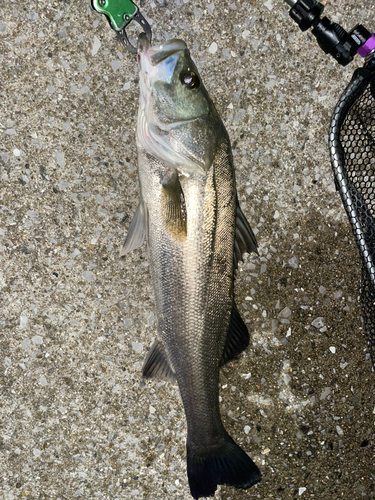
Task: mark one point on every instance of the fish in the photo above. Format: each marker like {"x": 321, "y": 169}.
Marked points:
{"x": 196, "y": 234}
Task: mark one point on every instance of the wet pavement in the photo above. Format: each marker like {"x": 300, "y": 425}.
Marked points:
{"x": 76, "y": 321}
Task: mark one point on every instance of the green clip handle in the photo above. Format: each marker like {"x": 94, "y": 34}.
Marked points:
{"x": 119, "y": 12}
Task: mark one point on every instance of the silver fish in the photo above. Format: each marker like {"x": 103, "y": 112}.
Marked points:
{"x": 196, "y": 233}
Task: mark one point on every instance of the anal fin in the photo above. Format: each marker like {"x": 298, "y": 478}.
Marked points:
{"x": 156, "y": 364}
{"x": 238, "y": 337}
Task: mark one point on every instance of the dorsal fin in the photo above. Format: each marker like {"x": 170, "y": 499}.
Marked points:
{"x": 237, "y": 337}
{"x": 245, "y": 241}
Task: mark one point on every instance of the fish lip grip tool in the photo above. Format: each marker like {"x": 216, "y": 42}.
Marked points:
{"x": 119, "y": 14}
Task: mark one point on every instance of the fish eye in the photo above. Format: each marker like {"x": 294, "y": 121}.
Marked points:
{"x": 190, "y": 80}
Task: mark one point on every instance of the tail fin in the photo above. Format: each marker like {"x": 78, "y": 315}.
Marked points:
{"x": 226, "y": 463}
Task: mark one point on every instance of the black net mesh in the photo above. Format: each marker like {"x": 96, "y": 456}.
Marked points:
{"x": 352, "y": 147}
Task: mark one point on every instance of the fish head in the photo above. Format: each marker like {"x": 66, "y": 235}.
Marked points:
{"x": 177, "y": 121}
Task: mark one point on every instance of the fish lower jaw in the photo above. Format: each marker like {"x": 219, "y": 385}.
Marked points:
{"x": 145, "y": 91}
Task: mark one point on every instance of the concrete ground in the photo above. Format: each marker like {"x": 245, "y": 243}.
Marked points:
{"x": 76, "y": 320}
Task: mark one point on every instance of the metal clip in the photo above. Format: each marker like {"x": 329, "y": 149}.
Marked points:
{"x": 120, "y": 13}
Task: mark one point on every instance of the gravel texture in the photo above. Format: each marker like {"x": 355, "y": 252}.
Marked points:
{"x": 76, "y": 320}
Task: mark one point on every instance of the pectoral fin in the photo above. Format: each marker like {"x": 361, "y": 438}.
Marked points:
{"x": 156, "y": 364}
{"x": 237, "y": 337}
{"x": 137, "y": 230}
{"x": 245, "y": 241}
{"x": 173, "y": 209}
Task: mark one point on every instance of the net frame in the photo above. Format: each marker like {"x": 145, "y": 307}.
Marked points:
{"x": 352, "y": 152}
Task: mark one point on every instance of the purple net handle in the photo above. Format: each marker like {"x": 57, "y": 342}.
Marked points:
{"x": 367, "y": 47}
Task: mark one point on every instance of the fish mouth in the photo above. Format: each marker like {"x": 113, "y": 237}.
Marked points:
{"x": 159, "y": 53}
{"x": 143, "y": 43}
